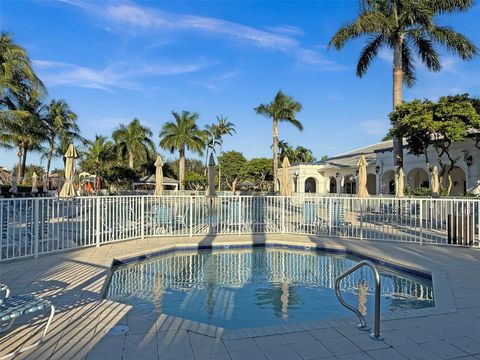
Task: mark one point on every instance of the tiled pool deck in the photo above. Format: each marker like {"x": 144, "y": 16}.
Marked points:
{"x": 74, "y": 281}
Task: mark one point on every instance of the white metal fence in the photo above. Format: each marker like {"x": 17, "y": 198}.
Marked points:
{"x": 33, "y": 226}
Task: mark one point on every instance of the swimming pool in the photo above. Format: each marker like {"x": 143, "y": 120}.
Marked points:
{"x": 260, "y": 286}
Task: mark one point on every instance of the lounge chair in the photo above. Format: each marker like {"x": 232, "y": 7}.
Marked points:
{"x": 165, "y": 220}
{"x": 336, "y": 216}
{"x": 12, "y": 308}
{"x": 312, "y": 222}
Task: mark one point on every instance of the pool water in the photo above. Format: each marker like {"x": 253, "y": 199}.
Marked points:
{"x": 260, "y": 286}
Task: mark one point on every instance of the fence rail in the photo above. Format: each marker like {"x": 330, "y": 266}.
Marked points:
{"x": 34, "y": 226}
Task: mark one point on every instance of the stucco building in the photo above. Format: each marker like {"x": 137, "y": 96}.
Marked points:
{"x": 338, "y": 174}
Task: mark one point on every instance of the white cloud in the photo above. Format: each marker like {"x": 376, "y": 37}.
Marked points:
{"x": 117, "y": 75}
{"x": 128, "y": 15}
{"x": 287, "y": 30}
{"x": 375, "y": 127}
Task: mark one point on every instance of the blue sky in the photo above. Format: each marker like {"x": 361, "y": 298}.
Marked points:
{"x": 113, "y": 61}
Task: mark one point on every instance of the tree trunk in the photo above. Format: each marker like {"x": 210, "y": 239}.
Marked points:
{"x": 24, "y": 163}
{"x": 181, "y": 169}
{"x": 19, "y": 154}
{"x": 397, "y": 99}
{"x": 220, "y": 170}
{"x": 275, "y": 153}
{"x": 206, "y": 161}
{"x": 49, "y": 164}
{"x": 130, "y": 160}
{"x": 234, "y": 184}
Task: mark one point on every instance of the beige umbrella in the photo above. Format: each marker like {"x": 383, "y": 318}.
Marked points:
{"x": 211, "y": 176}
{"x": 435, "y": 182}
{"x": 159, "y": 176}
{"x": 68, "y": 190}
{"x": 362, "y": 178}
{"x": 286, "y": 189}
{"x": 400, "y": 184}
{"x": 13, "y": 185}
{"x": 34, "y": 183}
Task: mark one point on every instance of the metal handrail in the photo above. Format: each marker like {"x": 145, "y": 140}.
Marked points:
{"x": 363, "y": 324}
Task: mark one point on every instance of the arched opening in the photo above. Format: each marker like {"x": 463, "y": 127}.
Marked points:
{"x": 310, "y": 185}
{"x": 349, "y": 185}
{"x": 418, "y": 178}
{"x": 459, "y": 182}
{"x": 333, "y": 185}
{"x": 372, "y": 184}
{"x": 388, "y": 182}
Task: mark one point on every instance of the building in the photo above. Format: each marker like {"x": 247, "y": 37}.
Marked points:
{"x": 338, "y": 174}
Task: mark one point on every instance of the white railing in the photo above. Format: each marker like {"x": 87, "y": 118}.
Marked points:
{"x": 34, "y": 226}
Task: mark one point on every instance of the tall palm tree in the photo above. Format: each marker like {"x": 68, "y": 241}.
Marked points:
{"x": 180, "y": 135}
{"x": 20, "y": 127}
{"x": 406, "y": 27}
{"x": 16, "y": 73}
{"x": 282, "y": 108}
{"x": 60, "y": 122}
{"x": 222, "y": 127}
{"x": 133, "y": 142}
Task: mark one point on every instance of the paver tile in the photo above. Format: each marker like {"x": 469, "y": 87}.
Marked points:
{"x": 239, "y": 344}
{"x": 320, "y": 334}
{"x": 444, "y": 349}
{"x": 466, "y": 344}
{"x": 365, "y": 343}
{"x": 248, "y": 354}
{"x": 311, "y": 350}
{"x": 282, "y": 352}
{"x": 416, "y": 352}
{"x": 340, "y": 345}
{"x": 386, "y": 354}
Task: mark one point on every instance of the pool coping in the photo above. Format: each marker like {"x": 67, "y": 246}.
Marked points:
{"x": 444, "y": 300}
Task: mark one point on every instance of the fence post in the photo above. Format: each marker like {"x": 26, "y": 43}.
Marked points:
{"x": 329, "y": 209}
{"x": 421, "y": 222}
{"x": 361, "y": 219}
{"x": 190, "y": 214}
{"x": 283, "y": 214}
{"x": 239, "y": 215}
{"x": 97, "y": 220}
{"x": 36, "y": 224}
{"x": 142, "y": 217}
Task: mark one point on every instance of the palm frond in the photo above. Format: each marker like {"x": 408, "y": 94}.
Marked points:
{"x": 368, "y": 53}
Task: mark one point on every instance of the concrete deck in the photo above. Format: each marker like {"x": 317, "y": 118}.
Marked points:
{"x": 74, "y": 280}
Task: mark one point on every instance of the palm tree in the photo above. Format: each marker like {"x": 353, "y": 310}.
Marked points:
{"x": 133, "y": 142}
{"x": 60, "y": 122}
{"x": 284, "y": 149}
{"x": 16, "y": 73}
{"x": 222, "y": 127}
{"x": 406, "y": 27}
{"x": 302, "y": 154}
{"x": 20, "y": 127}
{"x": 180, "y": 135}
{"x": 98, "y": 156}
{"x": 282, "y": 108}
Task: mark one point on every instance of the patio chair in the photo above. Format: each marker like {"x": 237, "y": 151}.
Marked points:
{"x": 165, "y": 220}
{"x": 336, "y": 216}
{"x": 15, "y": 307}
{"x": 312, "y": 222}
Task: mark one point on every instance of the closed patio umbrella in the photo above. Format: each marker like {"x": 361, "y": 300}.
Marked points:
{"x": 34, "y": 183}
{"x": 211, "y": 176}
{"x": 286, "y": 190}
{"x": 68, "y": 190}
{"x": 362, "y": 178}
{"x": 159, "y": 176}
{"x": 435, "y": 182}
{"x": 400, "y": 184}
{"x": 13, "y": 185}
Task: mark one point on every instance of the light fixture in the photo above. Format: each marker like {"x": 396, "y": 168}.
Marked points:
{"x": 337, "y": 174}
{"x": 377, "y": 169}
